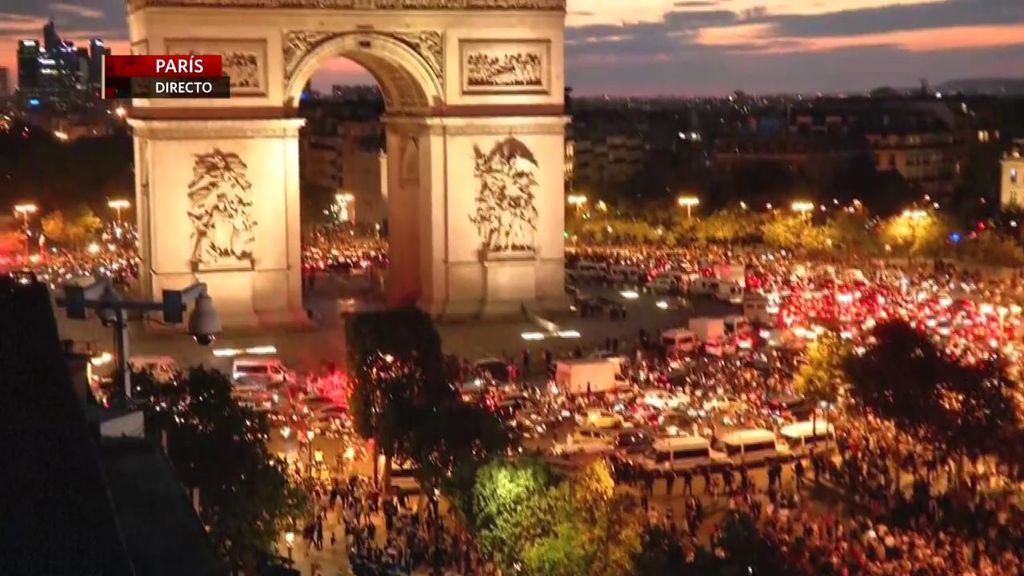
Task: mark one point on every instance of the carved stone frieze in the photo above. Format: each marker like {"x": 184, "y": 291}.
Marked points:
{"x": 220, "y": 205}
{"x": 505, "y": 66}
{"x": 429, "y": 45}
{"x": 244, "y": 61}
{"x": 506, "y": 213}
{"x": 298, "y": 43}
{"x": 135, "y": 5}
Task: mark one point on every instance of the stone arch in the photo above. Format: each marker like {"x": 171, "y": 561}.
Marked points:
{"x": 409, "y": 80}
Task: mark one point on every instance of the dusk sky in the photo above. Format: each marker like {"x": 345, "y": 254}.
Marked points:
{"x": 697, "y": 47}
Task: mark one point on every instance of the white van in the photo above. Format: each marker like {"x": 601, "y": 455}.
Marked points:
{"x": 704, "y": 287}
{"x": 588, "y": 270}
{"x": 751, "y": 446}
{"x": 625, "y": 274}
{"x": 163, "y": 368}
{"x": 736, "y": 325}
{"x": 260, "y": 372}
{"x": 585, "y": 441}
{"x": 804, "y": 437}
{"x": 679, "y": 454}
{"x": 665, "y": 282}
{"x": 680, "y": 340}
{"x": 730, "y": 292}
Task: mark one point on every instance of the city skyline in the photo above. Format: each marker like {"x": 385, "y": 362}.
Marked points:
{"x": 697, "y": 47}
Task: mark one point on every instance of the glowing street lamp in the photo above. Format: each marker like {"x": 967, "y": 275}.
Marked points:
{"x": 346, "y": 202}
{"x": 119, "y": 204}
{"x": 289, "y": 539}
{"x": 577, "y": 201}
{"x": 25, "y": 211}
{"x": 802, "y": 207}
{"x": 914, "y": 218}
{"x": 688, "y": 202}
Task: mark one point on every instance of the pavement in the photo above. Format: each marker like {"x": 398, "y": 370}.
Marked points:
{"x": 309, "y": 348}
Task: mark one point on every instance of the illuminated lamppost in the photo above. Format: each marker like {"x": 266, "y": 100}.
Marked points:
{"x": 577, "y": 201}
{"x": 688, "y": 202}
{"x": 289, "y": 539}
{"x": 26, "y": 211}
{"x": 346, "y": 202}
{"x": 802, "y": 207}
{"x": 310, "y": 434}
{"x": 118, "y": 204}
{"x": 914, "y": 218}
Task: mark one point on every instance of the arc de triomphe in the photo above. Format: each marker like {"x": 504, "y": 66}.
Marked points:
{"x": 475, "y": 130}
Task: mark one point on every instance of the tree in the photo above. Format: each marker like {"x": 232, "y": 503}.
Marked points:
{"x": 822, "y": 377}
{"x": 396, "y": 359}
{"x": 852, "y": 233}
{"x": 219, "y": 448}
{"x": 728, "y": 226}
{"x": 960, "y": 408}
{"x": 916, "y": 232}
{"x": 405, "y": 401}
{"x": 72, "y": 230}
{"x": 528, "y": 521}
{"x": 793, "y": 232}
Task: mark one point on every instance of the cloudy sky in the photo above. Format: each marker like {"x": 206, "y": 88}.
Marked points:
{"x": 698, "y": 47}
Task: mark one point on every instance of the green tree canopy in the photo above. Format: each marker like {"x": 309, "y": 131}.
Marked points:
{"x": 529, "y": 522}
{"x": 220, "y": 448}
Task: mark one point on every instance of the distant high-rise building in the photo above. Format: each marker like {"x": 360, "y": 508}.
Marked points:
{"x": 57, "y": 72}
{"x": 51, "y": 41}
{"x": 28, "y": 64}
{"x": 97, "y": 50}
{"x": 5, "y": 83}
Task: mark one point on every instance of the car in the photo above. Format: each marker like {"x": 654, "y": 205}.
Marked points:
{"x": 664, "y": 400}
{"x": 603, "y": 419}
{"x": 631, "y": 440}
{"x": 585, "y": 441}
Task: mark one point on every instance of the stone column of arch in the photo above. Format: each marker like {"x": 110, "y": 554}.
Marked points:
{"x": 475, "y": 150}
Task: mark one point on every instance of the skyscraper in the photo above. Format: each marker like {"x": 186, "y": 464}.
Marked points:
{"x": 51, "y": 41}
{"x": 5, "y": 83}
{"x": 28, "y": 64}
{"x": 97, "y": 50}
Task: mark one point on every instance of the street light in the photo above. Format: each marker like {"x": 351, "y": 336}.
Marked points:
{"x": 25, "y": 211}
{"x": 203, "y": 323}
{"x": 346, "y": 202}
{"x": 119, "y": 204}
{"x": 914, "y": 218}
{"x": 577, "y": 201}
{"x": 289, "y": 539}
{"x": 310, "y": 434}
{"x": 688, "y": 202}
{"x": 802, "y": 207}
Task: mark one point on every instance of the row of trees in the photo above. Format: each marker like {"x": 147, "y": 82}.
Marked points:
{"x": 916, "y": 233}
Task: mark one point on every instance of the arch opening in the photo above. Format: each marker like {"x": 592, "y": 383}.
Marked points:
{"x": 359, "y": 180}
{"x": 406, "y": 80}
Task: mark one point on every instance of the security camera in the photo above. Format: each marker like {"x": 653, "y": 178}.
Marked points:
{"x": 204, "y": 324}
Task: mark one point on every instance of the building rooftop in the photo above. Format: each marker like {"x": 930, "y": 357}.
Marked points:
{"x": 70, "y": 507}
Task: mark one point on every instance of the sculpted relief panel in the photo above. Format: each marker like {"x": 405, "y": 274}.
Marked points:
{"x": 220, "y": 203}
{"x": 506, "y": 213}
{"x": 244, "y": 61}
{"x": 505, "y": 66}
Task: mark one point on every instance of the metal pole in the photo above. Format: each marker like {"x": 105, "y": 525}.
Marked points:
{"x": 121, "y": 345}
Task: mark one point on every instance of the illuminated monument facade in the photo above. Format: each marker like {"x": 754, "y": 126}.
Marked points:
{"x": 475, "y": 129}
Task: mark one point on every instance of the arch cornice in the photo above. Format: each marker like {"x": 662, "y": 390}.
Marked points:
{"x": 559, "y": 5}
